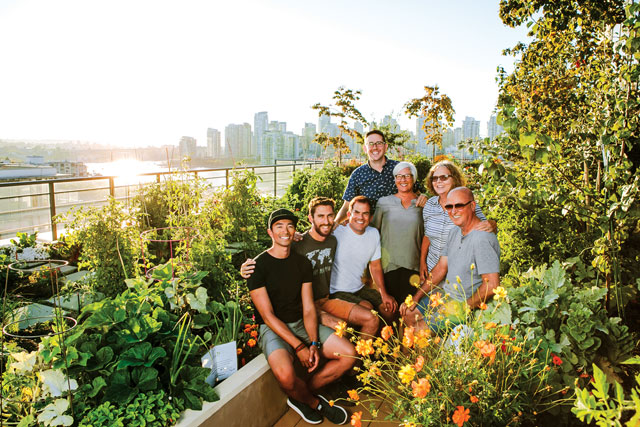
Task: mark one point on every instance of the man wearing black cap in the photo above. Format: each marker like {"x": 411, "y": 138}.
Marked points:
{"x": 281, "y": 291}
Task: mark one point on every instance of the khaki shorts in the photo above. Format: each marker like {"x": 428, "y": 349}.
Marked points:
{"x": 269, "y": 341}
{"x": 336, "y": 307}
{"x": 364, "y": 294}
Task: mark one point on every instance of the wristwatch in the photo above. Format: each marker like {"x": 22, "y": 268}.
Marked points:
{"x": 318, "y": 344}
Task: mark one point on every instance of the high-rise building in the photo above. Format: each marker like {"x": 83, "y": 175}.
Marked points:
{"x": 391, "y": 122}
{"x": 308, "y": 147}
{"x": 214, "y": 143}
{"x": 421, "y": 135}
{"x": 260, "y": 126}
{"x": 470, "y": 128}
{"x": 237, "y": 141}
{"x": 188, "y": 147}
{"x": 493, "y": 128}
{"x": 323, "y": 124}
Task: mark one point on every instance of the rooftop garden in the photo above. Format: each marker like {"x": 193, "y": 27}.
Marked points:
{"x": 123, "y": 343}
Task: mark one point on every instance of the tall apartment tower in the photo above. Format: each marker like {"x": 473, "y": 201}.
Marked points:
{"x": 237, "y": 141}
{"x": 493, "y": 128}
{"x": 188, "y": 147}
{"x": 470, "y": 128}
{"x": 260, "y": 126}
{"x": 214, "y": 143}
{"x": 421, "y": 135}
{"x": 307, "y": 146}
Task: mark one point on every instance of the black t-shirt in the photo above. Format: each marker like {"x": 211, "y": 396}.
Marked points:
{"x": 283, "y": 278}
{"x": 321, "y": 255}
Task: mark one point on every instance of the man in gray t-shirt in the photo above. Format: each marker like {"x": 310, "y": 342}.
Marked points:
{"x": 470, "y": 262}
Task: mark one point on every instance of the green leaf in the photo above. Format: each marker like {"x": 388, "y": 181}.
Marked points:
{"x": 145, "y": 378}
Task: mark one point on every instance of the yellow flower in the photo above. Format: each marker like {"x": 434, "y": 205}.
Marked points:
{"x": 516, "y": 348}
{"x": 364, "y": 347}
{"x": 409, "y": 302}
{"x": 386, "y": 332}
{"x": 458, "y": 280}
{"x": 490, "y": 325}
{"x": 500, "y": 293}
{"x": 341, "y": 328}
{"x": 472, "y": 266}
{"x": 26, "y": 394}
{"x": 414, "y": 281}
{"x": 353, "y": 395}
{"x": 436, "y": 299}
{"x": 407, "y": 374}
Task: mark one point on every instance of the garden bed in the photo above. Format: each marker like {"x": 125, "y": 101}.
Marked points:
{"x": 250, "y": 397}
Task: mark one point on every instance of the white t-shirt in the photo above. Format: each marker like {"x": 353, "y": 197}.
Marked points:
{"x": 353, "y": 255}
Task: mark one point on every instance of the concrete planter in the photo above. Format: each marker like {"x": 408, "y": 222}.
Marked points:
{"x": 250, "y": 397}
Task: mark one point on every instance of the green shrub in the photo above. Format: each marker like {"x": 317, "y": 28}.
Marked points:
{"x": 109, "y": 237}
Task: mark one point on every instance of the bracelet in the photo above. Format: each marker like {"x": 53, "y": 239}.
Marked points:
{"x": 316, "y": 343}
{"x": 300, "y": 347}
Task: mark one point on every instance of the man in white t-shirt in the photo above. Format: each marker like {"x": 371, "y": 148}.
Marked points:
{"x": 359, "y": 247}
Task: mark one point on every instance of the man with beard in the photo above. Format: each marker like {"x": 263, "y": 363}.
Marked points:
{"x": 319, "y": 246}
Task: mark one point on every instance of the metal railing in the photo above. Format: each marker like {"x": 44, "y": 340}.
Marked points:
{"x": 29, "y": 206}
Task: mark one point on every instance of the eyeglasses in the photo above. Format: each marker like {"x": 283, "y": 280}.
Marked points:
{"x": 441, "y": 178}
{"x": 376, "y": 144}
{"x": 407, "y": 176}
{"x": 458, "y": 206}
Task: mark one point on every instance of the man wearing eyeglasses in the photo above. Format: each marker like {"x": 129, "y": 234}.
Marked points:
{"x": 373, "y": 179}
{"x": 470, "y": 262}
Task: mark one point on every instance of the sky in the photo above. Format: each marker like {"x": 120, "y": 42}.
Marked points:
{"x": 146, "y": 72}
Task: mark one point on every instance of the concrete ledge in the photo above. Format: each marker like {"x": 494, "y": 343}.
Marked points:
{"x": 250, "y": 397}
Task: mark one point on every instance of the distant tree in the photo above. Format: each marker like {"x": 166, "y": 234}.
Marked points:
{"x": 343, "y": 108}
{"x": 437, "y": 111}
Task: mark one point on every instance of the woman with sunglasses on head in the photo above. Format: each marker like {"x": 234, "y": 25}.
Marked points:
{"x": 442, "y": 178}
{"x": 399, "y": 220}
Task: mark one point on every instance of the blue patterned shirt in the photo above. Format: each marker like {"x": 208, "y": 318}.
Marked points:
{"x": 366, "y": 181}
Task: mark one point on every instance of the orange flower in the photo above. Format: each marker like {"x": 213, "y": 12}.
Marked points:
{"x": 490, "y": 325}
{"x": 436, "y": 299}
{"x": 474, "y": 399}
{"x": 460, "y": 416}
{"x": 251, "y": 342}
{"x": 408, "y": 338}
{"x": 353, "y": 394}
{"x": 356, "y": 419}
{"x": 238, "y": 351}
{"x": 386, "y": 332}
{"x": 420, "y": 388}
{"x": 487, "y": 349}
{"x": 483, "y": 306}
{"x": 419, "y": 363}
{"x": 341, "y": 327}
{"x": 364, "y": 347}
{"x": 254, "y": 334}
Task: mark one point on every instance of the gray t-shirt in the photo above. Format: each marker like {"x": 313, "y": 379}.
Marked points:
{"x": 401, "y": 233}
{"x": 353, "y": 255}
{"x": 479, "y": 248}
{"x": 321, "y": 255}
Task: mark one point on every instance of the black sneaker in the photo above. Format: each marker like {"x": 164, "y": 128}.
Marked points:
{"x": 307, "y": 413}
{"x": 336, "y": 414}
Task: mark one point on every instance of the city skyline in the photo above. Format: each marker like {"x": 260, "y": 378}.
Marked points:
{"x": 148, "y": 73}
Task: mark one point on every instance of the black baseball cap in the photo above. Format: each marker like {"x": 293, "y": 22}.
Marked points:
{"x": 279, "y": 214}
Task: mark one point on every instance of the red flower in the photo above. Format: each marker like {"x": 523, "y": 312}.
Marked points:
{"x": 556, "y": 360}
